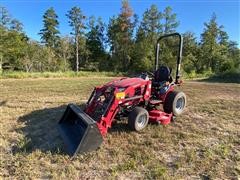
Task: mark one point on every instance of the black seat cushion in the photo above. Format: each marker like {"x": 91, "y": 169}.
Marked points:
{"x": 162, "y": 74}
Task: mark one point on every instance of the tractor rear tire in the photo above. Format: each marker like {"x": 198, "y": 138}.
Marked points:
{"x": 138, "y": 118}
{"x": 175, "y": 103}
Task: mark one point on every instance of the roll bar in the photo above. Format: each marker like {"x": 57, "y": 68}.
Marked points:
{"x": 179, "y": 56}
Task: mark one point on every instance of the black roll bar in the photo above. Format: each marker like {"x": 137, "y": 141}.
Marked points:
{"x": 179, "y": 56}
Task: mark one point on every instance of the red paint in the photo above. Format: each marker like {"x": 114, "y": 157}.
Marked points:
{"x": 138, "y": 92}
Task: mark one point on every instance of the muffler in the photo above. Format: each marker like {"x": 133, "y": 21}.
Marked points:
{"x": 79, "y": 131}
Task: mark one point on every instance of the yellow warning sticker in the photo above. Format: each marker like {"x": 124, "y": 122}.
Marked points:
{"x": 120, "y": 95}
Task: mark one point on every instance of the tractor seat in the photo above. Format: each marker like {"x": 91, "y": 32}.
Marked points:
{"x": 162, "y": 74}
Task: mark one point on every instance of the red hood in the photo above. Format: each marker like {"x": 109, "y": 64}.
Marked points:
{"x": 125, "y": 82}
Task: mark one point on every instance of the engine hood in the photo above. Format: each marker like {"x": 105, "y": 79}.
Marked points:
{"x": 125, "y": 82}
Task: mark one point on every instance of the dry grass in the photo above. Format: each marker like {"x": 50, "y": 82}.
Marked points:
{"x": 203, "y": 143}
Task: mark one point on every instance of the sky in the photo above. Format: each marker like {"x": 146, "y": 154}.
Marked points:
{"x": 191, "y": 13}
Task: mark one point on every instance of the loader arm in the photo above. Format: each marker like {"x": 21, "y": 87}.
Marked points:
{"x": 83, "y": 130}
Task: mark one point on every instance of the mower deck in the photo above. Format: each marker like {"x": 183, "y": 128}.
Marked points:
{"x": 160, "y": 117}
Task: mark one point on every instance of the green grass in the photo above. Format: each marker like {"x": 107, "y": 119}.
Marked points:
{"x": 226, "y": 77}
{"x": 194, "y": 75}
{"x": 202, "y": 143}
{"x": 21, "y": 75}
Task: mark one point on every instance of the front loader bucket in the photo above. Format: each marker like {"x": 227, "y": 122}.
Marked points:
{"x": 80, "y": 132}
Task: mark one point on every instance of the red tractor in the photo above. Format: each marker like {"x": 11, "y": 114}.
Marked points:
{"x": 137, "y": 98}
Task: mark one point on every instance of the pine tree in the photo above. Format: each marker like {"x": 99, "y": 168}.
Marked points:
{"x": 76, "y": 21}
{"x": 16, "y": 25}
{"x": 66, "y": 50}
{"x": 4, "y": 17}
{"x": 126, "y": 27}
{"x": 154, "y": 23}
{"x": 170, "y": 22}
{"x": 168, "y": 53}
{"x": 50, "y": 33}
{"x": 151, "y": 22}
{"x": 234, "y": 55}
{"x": 96, "y": 39}
{"x": 4, "y": 20}
{"x": 191, "y": 63}
{"x": 210, "y": 44}
{"x": 120, "y": 34}
{"x": 12, "y": 41}
{"x": 149, "y": 30}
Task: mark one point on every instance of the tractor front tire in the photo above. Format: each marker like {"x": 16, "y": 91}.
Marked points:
{"x": 138, "y": 118}
{"x": 175, "y": 103}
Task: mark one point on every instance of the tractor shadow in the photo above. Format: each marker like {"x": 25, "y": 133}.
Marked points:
{"x": 41, "y": 131}
{"x": 119, "y": 127}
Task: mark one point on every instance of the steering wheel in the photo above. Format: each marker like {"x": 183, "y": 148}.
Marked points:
{"x": 146, "y": 75}
{"x": 150, "y": 73}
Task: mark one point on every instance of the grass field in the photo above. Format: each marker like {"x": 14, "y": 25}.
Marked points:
{"x": 204, "y": 143}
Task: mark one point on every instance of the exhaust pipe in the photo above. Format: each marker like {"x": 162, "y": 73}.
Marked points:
{"x": 79, "y": 131}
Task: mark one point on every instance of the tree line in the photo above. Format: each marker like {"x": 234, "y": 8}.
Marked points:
{"x": 126, "y": 43}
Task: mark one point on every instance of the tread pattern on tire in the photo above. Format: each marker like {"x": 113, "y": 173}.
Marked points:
{"x": 169, "y": 101}
{"x": 168, "y": 104}
{"x": 132, "y": 116}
